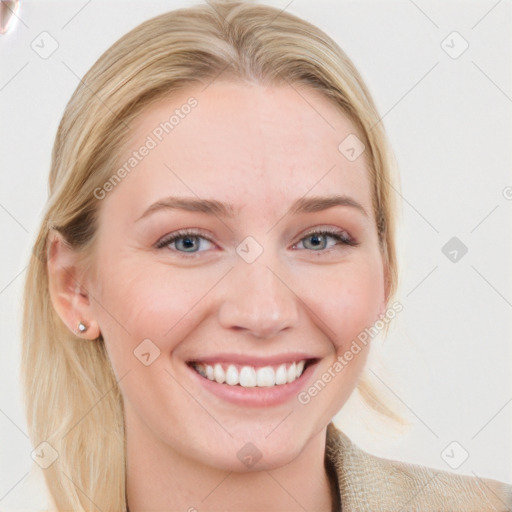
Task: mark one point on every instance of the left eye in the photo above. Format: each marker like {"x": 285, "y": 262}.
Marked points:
{"x": 318, "y": 240}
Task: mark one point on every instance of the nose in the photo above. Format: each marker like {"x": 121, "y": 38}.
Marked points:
{"x": 257, "y": 299}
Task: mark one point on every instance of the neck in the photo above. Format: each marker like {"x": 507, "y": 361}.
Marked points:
{"x": 159, "y": 478}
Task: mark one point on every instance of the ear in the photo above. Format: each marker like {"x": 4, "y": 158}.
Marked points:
{"x": 68, "y": 294}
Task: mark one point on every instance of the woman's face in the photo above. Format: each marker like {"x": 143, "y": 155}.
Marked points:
{"x": 254, "y": 175}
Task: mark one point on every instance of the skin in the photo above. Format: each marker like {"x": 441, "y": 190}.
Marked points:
{"x": 259, "y": 148}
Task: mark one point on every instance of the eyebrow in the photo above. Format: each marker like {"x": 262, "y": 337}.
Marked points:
{"x": 220, "y": 209}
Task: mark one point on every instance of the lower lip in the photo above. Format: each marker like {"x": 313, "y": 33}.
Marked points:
{"x": 257, "y": 397}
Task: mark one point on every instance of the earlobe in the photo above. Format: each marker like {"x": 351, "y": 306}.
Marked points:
{"x": 68, "y": 294}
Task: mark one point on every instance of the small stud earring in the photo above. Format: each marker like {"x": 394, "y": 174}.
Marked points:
{"x": 82, "y": 327}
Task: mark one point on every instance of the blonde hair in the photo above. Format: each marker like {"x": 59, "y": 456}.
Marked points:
{"x": 71, "y": 396}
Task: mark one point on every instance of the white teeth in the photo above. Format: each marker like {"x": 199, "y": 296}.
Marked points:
{"x": 218, "y": 373}
{"x": 281, "y": 375}
{"x": 249, "y": 376}
{"x": 266, "y": 377}
{"x": 232, "y": 375}
{"x": 292, "y": 373}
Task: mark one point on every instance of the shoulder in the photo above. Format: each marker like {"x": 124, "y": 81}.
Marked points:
{"x": 370, "y": 483}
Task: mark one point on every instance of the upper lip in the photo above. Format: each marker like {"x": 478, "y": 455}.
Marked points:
{"x": 245, "y": 360}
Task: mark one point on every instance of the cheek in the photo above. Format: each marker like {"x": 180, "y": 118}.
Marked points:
{"x": 140, "y": 302}
{"x": 349, "y": 300}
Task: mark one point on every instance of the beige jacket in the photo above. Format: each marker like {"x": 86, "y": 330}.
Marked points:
{"x": 367, "y": 483}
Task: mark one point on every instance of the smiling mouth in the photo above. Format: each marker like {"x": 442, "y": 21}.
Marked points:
{"x": 252, "y": 376}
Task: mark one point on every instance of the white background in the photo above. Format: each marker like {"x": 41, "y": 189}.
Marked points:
{"x": 447, "y": 362}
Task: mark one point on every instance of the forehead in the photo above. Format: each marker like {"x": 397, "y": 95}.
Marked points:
{"x": 243, "y": 141}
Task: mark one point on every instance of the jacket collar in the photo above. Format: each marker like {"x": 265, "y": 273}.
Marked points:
{"x": 367, "y": 483}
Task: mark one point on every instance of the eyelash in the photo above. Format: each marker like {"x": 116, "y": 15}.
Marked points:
{"x": 341, "y": 237}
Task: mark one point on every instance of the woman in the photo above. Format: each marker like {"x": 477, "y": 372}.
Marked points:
{"x": 219, "y": 233}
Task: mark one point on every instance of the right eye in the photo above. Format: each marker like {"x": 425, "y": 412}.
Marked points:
{"x": 184, "y": 241}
